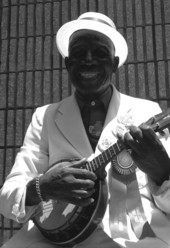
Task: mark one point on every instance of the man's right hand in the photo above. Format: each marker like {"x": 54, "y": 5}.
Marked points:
{"x": 67, "y": 182}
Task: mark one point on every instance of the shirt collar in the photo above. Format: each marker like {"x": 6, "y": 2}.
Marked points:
{"x": 103, "y": 98}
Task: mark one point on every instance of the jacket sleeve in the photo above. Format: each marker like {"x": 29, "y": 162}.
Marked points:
{"x": 31, "y": 161}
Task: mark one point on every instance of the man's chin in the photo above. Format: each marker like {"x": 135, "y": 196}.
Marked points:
{"x": 89, "y": 91}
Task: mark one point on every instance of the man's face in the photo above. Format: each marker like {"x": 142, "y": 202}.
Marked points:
{"x": 91, "y": 61}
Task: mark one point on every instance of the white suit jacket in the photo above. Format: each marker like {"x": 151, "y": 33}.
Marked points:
{"x": 57, "y": 132}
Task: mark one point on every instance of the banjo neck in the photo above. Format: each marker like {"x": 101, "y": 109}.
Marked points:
{"x": 105, "y": 157}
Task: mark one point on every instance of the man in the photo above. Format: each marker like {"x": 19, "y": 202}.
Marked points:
{"x": 67, "y": 134}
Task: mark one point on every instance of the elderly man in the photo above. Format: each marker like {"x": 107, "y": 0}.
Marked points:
{"x": 89, "y": 173}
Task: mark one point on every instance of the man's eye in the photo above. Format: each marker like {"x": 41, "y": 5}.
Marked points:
{"x": 78, "y": 53}
{"x": 101, "y": 53}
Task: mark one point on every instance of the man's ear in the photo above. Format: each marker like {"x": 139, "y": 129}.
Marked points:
{"x": 66, "y": 60}
{"x": 115, "y": 63}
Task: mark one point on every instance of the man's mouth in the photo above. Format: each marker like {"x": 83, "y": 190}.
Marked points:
{"x": 89, "y": 75}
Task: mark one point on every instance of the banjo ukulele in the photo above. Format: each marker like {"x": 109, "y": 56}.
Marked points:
{"x": 65, "y": 224}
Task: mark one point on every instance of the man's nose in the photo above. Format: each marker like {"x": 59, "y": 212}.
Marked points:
{"x": 89, "y": 56}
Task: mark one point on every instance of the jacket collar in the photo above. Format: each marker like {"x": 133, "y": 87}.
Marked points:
{"x": 103, "y": 98}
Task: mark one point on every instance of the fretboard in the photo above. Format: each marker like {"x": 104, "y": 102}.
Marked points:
{"x": 105, "y": 157}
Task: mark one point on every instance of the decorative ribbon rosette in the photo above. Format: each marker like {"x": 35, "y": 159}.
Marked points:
{"x": 123, "y": 162}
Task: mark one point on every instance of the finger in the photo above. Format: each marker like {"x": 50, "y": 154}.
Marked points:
{"x": 136, "y": 133}
{"x": 89, "y": 184}
{"x": 83, "y": 174}
{"x": 150, "y": 121}
{"x": 148, "y": 132}
{"x": 78, "y": 193}
{"x": 80, "y": 183}
{"x": 81, "y": 202}
{"x": 152, "y": 138}
{"x": 83, "y": 166}
{"x": 101, "y": 174}
{"x": 80, "y": 163}
{"x": 65, "y": 195}
{"x": 77, "y": 201}
{"x": 132, "y": 142}
{"x": 83, "y": 193}
{"x": 70, "y": 182}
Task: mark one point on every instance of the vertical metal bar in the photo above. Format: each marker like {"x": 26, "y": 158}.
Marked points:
{"x": 78, "y": 7}
{"x": 13, "y": 145}
{"x": 25, "y": 73}
{"x": 4, "y": 157}
{"x": 7, "y": 95}
{"x": 51, "y": 51}
{"x": 0, "y": 31}
{"x": 1, "y": 217}
{"x": 42, "y": 51}
{"x": 26, "y": 56}
{"x": 69, "y": 18}
{"x": 167, "y": 77}
{"x": 135, "y": 48}
{"x": 125, "y": 35}
{"x": 25, "y": 69}
{"x": 115, "y": 21}
{"x": 154, "y": 50}
{"x": 106, "y": 7}
{"x": 60, "y": 58}
{"x": 16, "y": 81}
{"x": 145, "y": 50}
{"x": 97, "y": 5}
{"x": 7, "y": 90}
{"x": 34, "y": 50}
{"x": 88, "y": 5}
{"x": 0, "y": 44}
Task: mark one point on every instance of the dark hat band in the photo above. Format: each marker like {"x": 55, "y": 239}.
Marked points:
{"x": 96, "y": 19}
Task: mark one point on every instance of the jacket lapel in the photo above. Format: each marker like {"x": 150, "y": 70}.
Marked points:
{"x": 107, "y": 136}
{"x": 113, "y": 107}
{"x": 119, "y": 105}
{"x": 69, "y": 121}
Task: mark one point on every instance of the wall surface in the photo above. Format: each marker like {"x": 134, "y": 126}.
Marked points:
{"x": 33, "y": 74}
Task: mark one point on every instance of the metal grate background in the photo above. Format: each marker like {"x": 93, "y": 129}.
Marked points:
{"x": 32, "y": 73}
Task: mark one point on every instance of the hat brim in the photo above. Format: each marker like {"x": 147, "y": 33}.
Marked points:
{"x": 64, "y": 33}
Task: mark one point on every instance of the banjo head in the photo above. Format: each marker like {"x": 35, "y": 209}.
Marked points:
{"x": 66, "y": 224}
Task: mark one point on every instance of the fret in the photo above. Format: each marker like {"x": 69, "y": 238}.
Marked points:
{"x": 101, "y": 159}
{"x": 98, "y": 161}
{"x": 105, "y": 155}
{"x": 109, "y": 155}
{"x": 109, "y": 149}
{"x": 90, "y": 166}
{"x": 114, "y": 150}
{"x": 120, "y": 146}
{"x": 102, "y": 155}
{"x": 93, "y": 164}
{"x": 87, "y": 166}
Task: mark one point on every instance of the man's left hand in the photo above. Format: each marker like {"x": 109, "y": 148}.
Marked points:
{"x": 148, "y": 152}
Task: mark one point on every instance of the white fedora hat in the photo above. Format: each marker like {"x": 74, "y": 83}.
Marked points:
{"x": 92, "y": 21}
